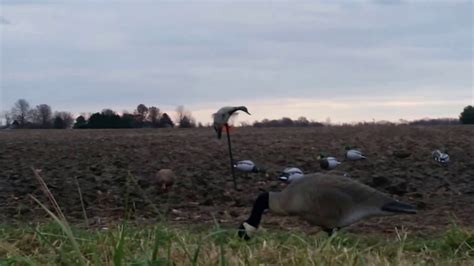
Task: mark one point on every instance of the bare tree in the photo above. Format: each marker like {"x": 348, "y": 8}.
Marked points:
{"x": 7, "y": 117}
{"x": 302, "y": 121}
{"x": 184, "y": 118}
{"x": 154, "y": 115}
{"x": 21, "y": 111}
{"x": 42, "y": 116}
{"x": 328, "y": 121}
{"x": 165, "y": 121}
{"x": 142, "y": 110}
{"x": 180, "y": 113}
{"x": 63, "y": 120}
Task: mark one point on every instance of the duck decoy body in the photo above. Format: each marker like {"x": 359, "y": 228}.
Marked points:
{"x": 328, "y": 163}
{"x": 291, "y": 174}
{"x": 440, "y": 157}
{"x": 247, "y": 166}
{"x": 354, "y": 155}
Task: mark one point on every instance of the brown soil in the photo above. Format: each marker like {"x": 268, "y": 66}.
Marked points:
{"x": 101, "y": 160}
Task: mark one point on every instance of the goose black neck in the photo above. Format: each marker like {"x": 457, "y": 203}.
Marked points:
{"x": 260, "y": 205}
{"x": 324, "y": 164}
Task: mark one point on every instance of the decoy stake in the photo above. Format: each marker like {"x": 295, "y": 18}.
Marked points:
{"x": 230, "y": 155}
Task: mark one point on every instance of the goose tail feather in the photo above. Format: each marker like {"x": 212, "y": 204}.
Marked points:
{"x": 399, "y": 207}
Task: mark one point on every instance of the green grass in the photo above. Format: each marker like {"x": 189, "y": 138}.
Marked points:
{"x": 162, "y": 245}
{"x": 59, "y": 243}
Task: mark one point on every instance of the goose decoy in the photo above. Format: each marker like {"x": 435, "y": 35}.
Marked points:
{"x": 248, "y": 166}
{"x": 440, "y": 157}
{"x": 353, "y": 154}
{"x": 328, "y": 163}
{"x": 291, "y": 174}
{"x": 165, "y": 179}
{"x": 221, "y": 117}
{"x": 331, "y": 202}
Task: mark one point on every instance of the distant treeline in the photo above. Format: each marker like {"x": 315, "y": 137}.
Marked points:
{"x": 439, "y": 121}
{"x": 287, "y": 122}
{"x": 142, "y": 117}
{"x": 419, "y": 122}
{"x": 109, "y": 119}
{"x": 42, "y": 116}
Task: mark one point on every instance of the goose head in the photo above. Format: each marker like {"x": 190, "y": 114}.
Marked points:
{"x": 243, "y": 109}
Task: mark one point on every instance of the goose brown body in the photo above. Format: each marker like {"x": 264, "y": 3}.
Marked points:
{"x": 329, "y": 201}
{"x": 165, "y": 179}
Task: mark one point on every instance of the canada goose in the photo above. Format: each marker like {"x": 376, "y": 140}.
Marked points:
{"x": 354, "y": 155}
{"x": 331, "y": 202}
{"x": 220, "y": 120}
{"x": 221, "y": 117}
{"x": 328, "y": 163}
{"x": 440, "y": 157}
{"x": 165, "y": 179}
{"x": 291, "y": 174}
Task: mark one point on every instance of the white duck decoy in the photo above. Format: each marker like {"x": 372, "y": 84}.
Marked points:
{"x": 354, "y": 155}
{"x": 328, "y": 163}
{"x": 247, "y": 166}
{"x": 440, "y": 157}
{"x": 221, "y": 117}
{"x": 291, "y": 174}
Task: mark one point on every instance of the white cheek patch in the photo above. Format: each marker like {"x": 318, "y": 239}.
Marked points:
{"x": 250, "y": 230}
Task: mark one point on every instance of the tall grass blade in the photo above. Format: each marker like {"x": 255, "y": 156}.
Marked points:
{"x": 84, "y": 213}
{"x": 48, "y": 193}
{"x": 119, "y": 253}
{"x": 65, "y": 228}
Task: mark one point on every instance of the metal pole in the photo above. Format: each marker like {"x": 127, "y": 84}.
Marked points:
{"x": 230, "y": 156}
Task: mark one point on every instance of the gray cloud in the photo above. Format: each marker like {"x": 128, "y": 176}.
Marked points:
{"x": 4, "y": 21}
{"x": 206, "y": 54}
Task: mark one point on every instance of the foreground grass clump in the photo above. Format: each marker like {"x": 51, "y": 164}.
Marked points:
{"x": 161, "y": 245}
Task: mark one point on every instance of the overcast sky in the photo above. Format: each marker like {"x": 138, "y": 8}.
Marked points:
{"x": 348, "y": 60}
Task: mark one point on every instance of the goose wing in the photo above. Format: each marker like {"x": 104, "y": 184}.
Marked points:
{"x": 328, "y": 208}
{"x": 358, "y": 192}
{"x": 331, "y": 201}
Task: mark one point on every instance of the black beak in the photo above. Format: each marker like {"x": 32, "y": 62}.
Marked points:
{"x": 242, "y": 233}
